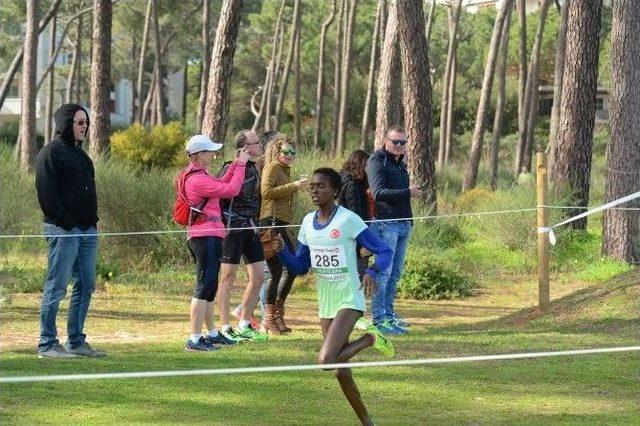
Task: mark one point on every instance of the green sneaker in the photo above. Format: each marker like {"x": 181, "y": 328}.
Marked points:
{"x": 231, "y": 334}
{"x": 362, "y": 324}
{"x": 381, "y": 342}
{"x": 252, "y": 334}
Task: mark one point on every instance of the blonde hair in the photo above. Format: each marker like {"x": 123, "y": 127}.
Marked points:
{"x": 274, "y": 147}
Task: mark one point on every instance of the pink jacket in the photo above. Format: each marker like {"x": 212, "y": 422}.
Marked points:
{"x": 202, "y": 185}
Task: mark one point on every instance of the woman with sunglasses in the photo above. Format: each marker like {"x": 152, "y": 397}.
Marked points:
{"x": 327, "y": 245}
{"x": 277, "y": 193}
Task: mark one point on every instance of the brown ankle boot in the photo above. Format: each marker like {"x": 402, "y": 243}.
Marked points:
{"x": 280, "y": 316}
{"x": 269, "y": 323}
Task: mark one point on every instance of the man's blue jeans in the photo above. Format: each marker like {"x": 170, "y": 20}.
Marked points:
{"x": 396, "y": 235}
{"x": 69, "y": 257}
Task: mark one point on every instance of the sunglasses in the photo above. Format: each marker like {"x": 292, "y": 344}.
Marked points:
{"x": 82, "y": 122}
{"x": 290, "y": 151}
{"x": 400, "y": 142}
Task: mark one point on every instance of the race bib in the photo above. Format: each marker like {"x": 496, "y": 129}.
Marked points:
{"x": 329, "y": 263}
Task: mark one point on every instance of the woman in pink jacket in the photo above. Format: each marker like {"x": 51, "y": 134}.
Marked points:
{"x": 206, "y": 231}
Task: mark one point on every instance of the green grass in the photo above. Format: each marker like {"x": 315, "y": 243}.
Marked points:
{"x": 146, "y": 331}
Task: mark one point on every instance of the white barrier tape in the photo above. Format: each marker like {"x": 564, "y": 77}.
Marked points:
{"x": 587, "y": 208}
{"x": 613, "y": 203}
{"x": 184, "y": 231}
{"x": 284, "y": 368}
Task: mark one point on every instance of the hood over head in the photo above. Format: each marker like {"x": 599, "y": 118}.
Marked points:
{"x": 64, "y": 121}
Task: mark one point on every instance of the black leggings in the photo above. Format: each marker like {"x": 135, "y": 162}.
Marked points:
{"x": 206, "y": 253}
{"x": 279, "y": 285}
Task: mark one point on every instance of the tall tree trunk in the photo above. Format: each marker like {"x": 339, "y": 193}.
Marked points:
{"x": 141, "y": 62}
{"x": 296, "y": 91}
{"x": 48, "y": 124}
{"x": 389, "y": 71}
{"x": 73, "y": 69}
{"x": 337, "y": 77}
{"x": 557, "y": 85}
{"x": 214, "y": 123}
{"x": 185, "y": 89}
{"x": 317, "y": 133}
{"x": 160, "y": 93}
{"x": 206, "y": 59}
{"x": 497, "y": 120}
{"x": 448, "y": 142}
{"x": 373, "y": 60}
{"x": 134, "y": 94}
{"x": 100, "y": 77}
{"x": 417, "y": 95}
{"x": 17, "y": 59}
{"x": 531, "y": 91}
{"x": 572, "y": 167}
{"x": 79, "y": 77}
{"x": 522, "y": 86}
{"x": 454, "y": 19}
{"x": 432, "y": 14}
{"x": 146, "y": 108}
{"x": 274, "y": 70}
{"x": 287, "y": 64}
{"x": 471, "y": 173}
{"x": 28, "y": 112}
{"x": 621, "y": 229}
{"x": 346, "y": 76}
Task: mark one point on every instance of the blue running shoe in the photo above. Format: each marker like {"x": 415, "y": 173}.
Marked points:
{"x": 219, "y": 340}
{"x": 200, "y": 345}
{"x": 391, "y": 324}
{"x": 400, "y": 322}
{"x": 387, "y": 328}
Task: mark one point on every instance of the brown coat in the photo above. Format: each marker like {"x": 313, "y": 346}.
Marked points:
{"x": 276, "y": 187}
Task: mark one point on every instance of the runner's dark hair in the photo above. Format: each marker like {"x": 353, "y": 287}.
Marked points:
{"x": 332, "y": 175}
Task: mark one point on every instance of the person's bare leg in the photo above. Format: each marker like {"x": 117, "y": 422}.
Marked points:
{"x": 209, "y": 316}
{"x": 197, "y": 313}
{"x": 252, "y": 292}
{"x": 227, "y": 276}
{"x": 336, "y": 337}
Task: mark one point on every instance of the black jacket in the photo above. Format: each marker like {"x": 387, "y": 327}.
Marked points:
{"x": 65, "y": 178}
{"x": 389, "y": 183}
{"x": 245, "y": 205}
{"x": 353, "y": 195}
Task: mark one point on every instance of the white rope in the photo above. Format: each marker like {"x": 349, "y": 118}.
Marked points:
{"x": 285, "y": 368}
{"x": 184, "y": 231}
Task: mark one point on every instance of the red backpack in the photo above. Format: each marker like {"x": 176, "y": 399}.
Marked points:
{"x": 183, "y": 213}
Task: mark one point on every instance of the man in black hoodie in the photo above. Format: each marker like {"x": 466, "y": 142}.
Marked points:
{"x": 65, "y": 183}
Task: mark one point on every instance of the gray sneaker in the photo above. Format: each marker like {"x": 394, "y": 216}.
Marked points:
{"x": 56, "y": 351}
{"x": 85, "y": 350}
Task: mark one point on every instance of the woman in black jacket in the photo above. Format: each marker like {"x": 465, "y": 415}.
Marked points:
{"x": 354, "y": 194}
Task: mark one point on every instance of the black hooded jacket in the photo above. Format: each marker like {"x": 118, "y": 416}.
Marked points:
{"x": 353, "y": 195}
{"x": 65, "y": 178}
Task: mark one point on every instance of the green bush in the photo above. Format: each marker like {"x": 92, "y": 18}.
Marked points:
{"x": 428, "y": 277}
{"x": 160, "y": 147}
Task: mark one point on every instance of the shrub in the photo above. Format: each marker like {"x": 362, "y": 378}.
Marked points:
{"x": 159, "y": 147}
{"x": 429, "y": 277}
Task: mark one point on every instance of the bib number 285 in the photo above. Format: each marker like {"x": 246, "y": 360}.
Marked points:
{"x": 326, "y": 261}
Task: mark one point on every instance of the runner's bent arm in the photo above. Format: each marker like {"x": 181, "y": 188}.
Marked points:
{"x": 299, "y": 263}
{"x": 368, "y": 239}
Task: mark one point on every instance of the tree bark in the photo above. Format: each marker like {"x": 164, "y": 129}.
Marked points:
{"x": 621, "y": 228}
{"x": 386, "y": 109}
{"x": 317, "y": 133}
{"x": 531, "y": 91}
{"x": 346, "y": 76}
{"x": 471, "y": 173}
{"x": 287, "y": 64}
{"x": 497, "y": 121}
{"x": 100, "y": 78}
{"x": 296, "y": 91}
{"x": 337, "y": 77}
{"x": 522, "y": 86}
{"x": 185, "y": 89}
{"x": 160, "y": 93}
{"x": 206, "y": 59}
{"x": 141, "y": 62}
{"x": 17, "y": 59}
{"x": 572, "y": 167}
{"x": 75, "y": 61}
{"x": 214, "y": 123}
{"x": 28, "y": 111}
{"x": 417, "y": 95}
{"x": 454, "y": 19}
{"x": 557, "y": 85}
{"x": 146, "y": 108}
{"x": 448, "y": 142}
{"x": 50, "y": 89}
{"x": 373, "y": 60}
